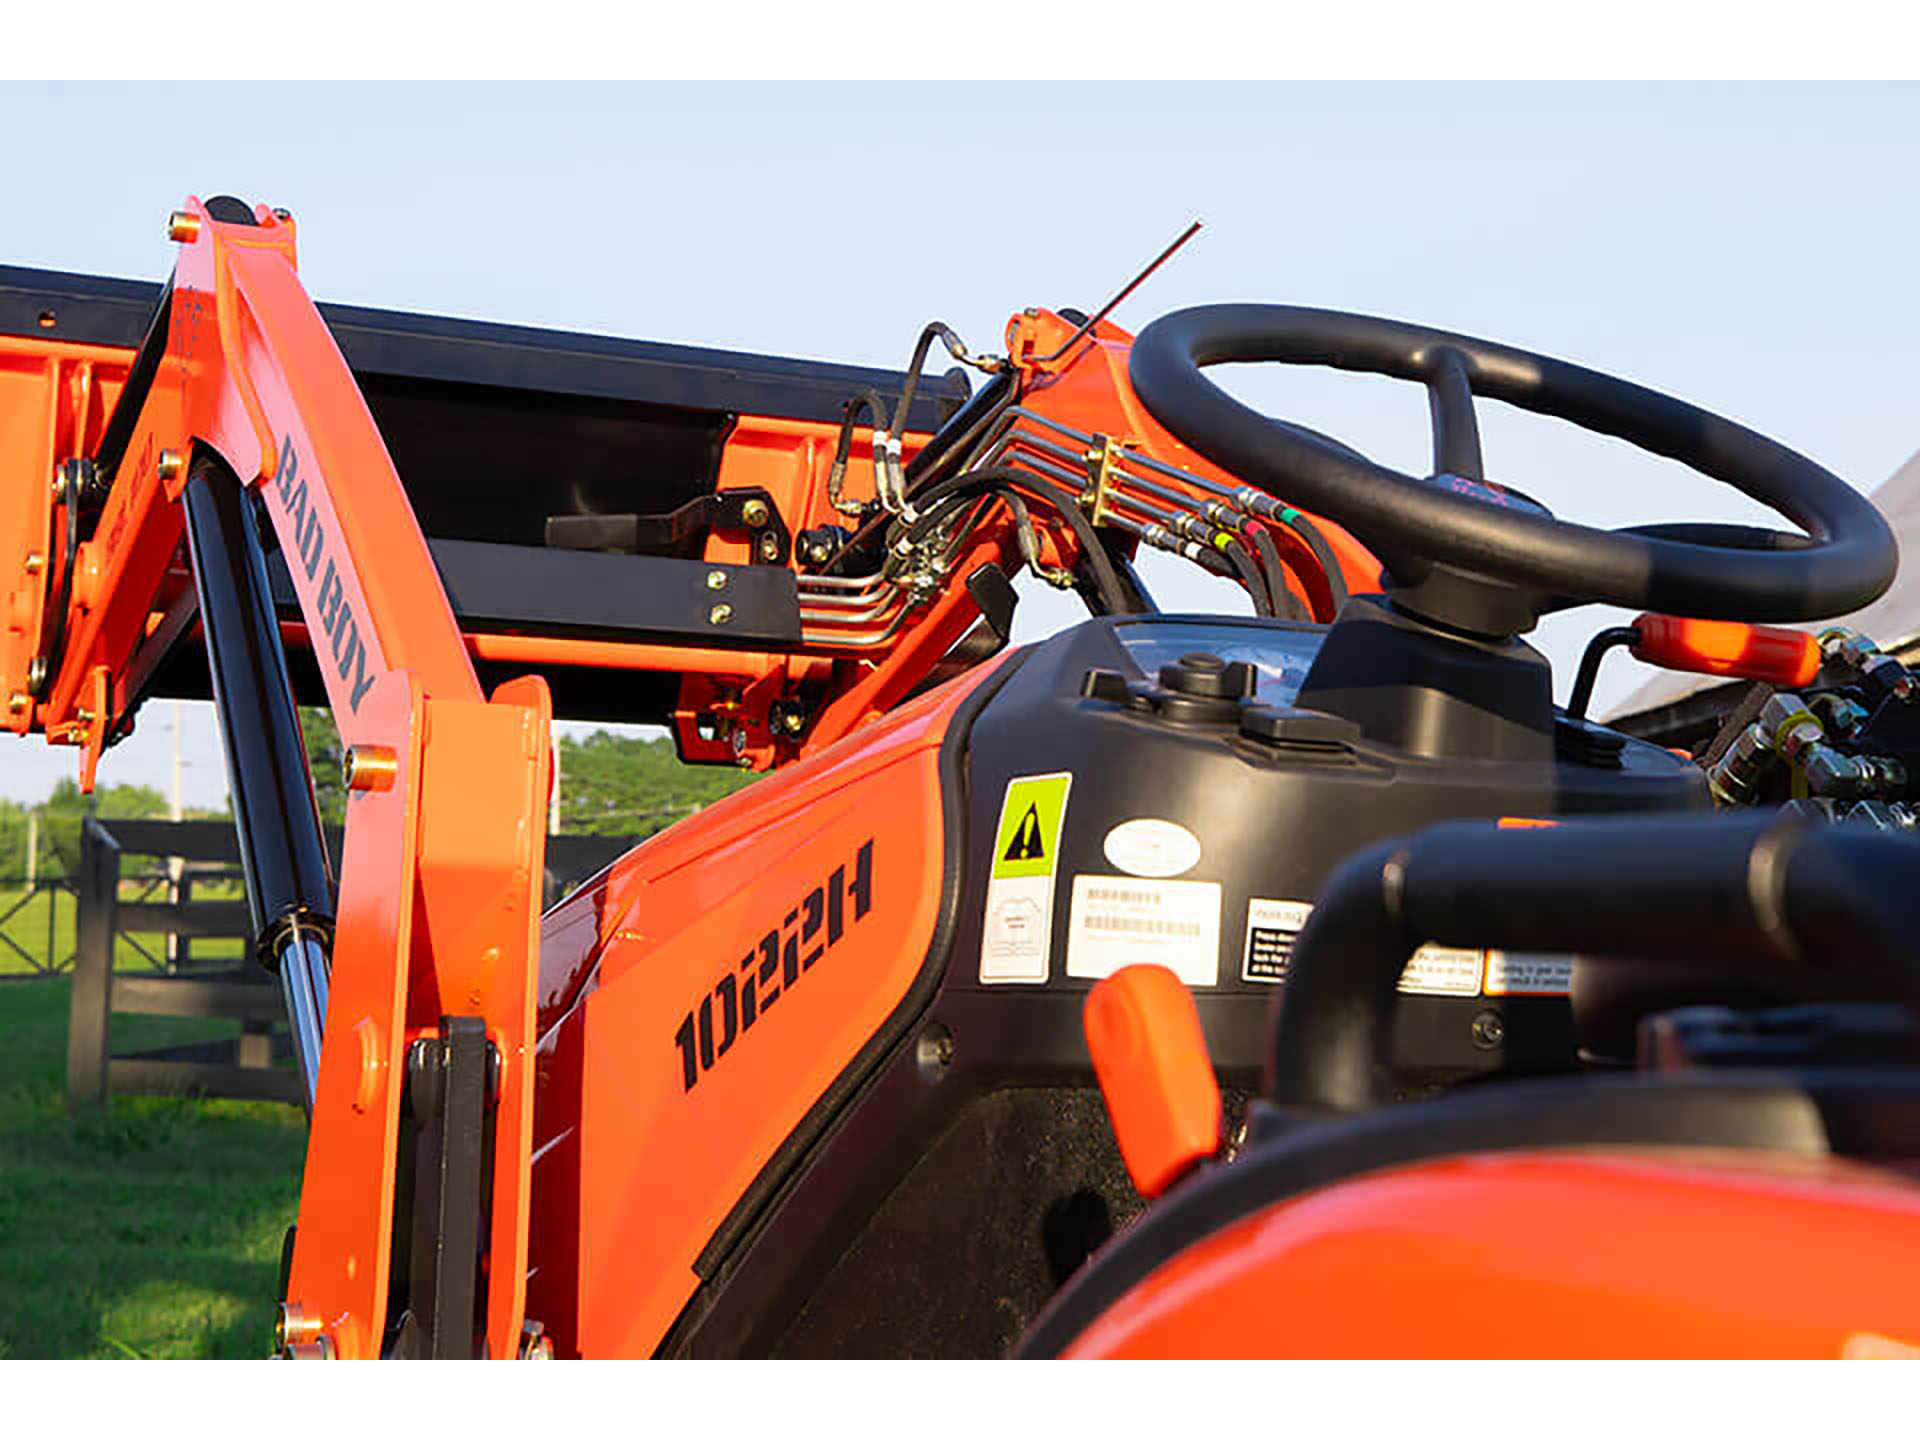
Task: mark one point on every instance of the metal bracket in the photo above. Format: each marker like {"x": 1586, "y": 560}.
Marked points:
{"x": 678, "y": 531}
{"x": 1103, "y": 459}
{"x": 452, "y": 1085}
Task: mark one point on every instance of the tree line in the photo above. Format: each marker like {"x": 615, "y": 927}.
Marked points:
{"x": 609, "y": 785}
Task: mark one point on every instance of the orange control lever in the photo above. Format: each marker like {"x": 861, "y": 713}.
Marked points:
{"x": 1789, "y": 658}
{"x": 1153, "y": 1067}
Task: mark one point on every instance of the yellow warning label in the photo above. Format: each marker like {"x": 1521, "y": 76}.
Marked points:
{"x": 1027, "y": 840}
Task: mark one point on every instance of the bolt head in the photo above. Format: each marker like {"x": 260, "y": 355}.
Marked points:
{"x": 36, "y": 562}
{"x": 19, "y": 702}
{"x": 1488, "y": 1030}
{"x": 169, "y": 465}
{"x": 769, "y": 547}
{"x": 755, "y": 513}
{"x": 183, "y": 226}
{"x": 719, "y": 614}
{"x": 716, "y": 579}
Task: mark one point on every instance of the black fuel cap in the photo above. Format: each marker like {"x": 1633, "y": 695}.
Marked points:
{"x": 1208, "y": 676}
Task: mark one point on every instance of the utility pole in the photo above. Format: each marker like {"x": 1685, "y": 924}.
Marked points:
{"x": 553, "y": 805}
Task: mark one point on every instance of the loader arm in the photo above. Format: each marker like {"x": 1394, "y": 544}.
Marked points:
{"x": 240, "y": 387}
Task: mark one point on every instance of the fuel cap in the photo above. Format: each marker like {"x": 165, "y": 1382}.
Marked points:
{"x": 1209, "y": 677}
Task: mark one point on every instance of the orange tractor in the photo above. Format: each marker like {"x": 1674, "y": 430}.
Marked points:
{"x": 1305, "y": 983}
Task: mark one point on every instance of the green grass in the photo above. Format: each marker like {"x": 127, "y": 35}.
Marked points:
{"x": 150, "y": 1229}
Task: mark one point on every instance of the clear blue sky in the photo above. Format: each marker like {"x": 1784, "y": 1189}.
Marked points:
{"x": 1751, "y": 248}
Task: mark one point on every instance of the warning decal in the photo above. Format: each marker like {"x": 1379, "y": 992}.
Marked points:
{"x": 1272, "y": 926}
{"x": 1117, "y": 921}
{"x": 1027, "y": 841}
{"x": 1016, "y": 939}
{"x": 1511, "y": 973}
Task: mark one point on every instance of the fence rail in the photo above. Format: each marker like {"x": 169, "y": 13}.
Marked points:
{"x": 204, "y": 968}
{"x": 48, "y": 961}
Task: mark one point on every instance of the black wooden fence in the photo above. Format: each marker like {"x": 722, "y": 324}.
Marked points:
{"x": 190, "y": 982}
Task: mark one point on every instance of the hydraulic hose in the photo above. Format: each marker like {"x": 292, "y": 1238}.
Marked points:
{"x": 1323, "y": 554}
{"x": 1286, "y": 604}
{"x": 1252, "y": 579}
{"x": 1104, "y": 581}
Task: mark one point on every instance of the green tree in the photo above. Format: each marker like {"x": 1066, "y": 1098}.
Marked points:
{"x": 618, "y": 785}
{"x": 63, "y": 810}
{"x": 13, "y": 841}
{"x": 324, "y": 756}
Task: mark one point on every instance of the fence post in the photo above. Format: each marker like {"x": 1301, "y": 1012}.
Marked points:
{"x": 91, "y": 1011}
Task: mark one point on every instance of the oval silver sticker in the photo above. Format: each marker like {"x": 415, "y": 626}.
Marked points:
{"x": 1159, "y": 849}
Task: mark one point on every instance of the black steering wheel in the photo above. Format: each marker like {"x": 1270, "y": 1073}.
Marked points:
{"x": 1469, "y": 553}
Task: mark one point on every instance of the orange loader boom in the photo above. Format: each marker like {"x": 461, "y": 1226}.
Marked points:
{"x": 411, "y": 984}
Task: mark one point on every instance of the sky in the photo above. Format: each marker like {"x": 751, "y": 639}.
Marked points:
{"x": 1747, "y": 247}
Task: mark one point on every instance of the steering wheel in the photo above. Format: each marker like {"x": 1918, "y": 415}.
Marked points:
{"x": 1468, "y": 553}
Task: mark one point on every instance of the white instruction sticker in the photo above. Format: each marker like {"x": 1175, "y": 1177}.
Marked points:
{"x": 1016, "y": 937}
{"x": 1118, "y": 921}
{"x": 1442, "y": 970}
{"x": 1515, "y": 973}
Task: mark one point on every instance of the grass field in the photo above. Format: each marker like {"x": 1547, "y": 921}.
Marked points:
{"x": 152, "y": 1229}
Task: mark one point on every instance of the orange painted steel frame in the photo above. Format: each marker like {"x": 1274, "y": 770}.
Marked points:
{"x": 438, "y": 909}
{"x": 1701, "y": 1254}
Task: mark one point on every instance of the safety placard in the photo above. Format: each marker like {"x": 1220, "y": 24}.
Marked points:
{"x": 1117, "y": 920}
{"x": 1016, "y": 940}
{"x": 1272, "y": 927}
{"x": 1512, "y": 972}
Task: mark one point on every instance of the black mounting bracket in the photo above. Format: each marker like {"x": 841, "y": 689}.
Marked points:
{"x": 679, "y": 531}
{"x": 441, "y": 1218}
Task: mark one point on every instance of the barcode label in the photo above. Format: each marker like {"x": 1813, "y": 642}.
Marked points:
{"x": 1114, "y": 923}
{"x": 1138, "y": 925}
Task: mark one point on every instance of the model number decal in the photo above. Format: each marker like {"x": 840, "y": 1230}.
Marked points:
{"x": 310, "y": 548}
{"x": 780, "y": 958}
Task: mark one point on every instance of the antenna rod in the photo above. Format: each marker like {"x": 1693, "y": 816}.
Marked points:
{"x": 1131, "y": 286}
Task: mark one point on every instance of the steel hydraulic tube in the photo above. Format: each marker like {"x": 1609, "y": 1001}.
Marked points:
{"x": 282, "y": 853}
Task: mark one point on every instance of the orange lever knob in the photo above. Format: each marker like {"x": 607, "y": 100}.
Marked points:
{"x": 1789, "y": 658}
{"x": 1154, "y": 1071}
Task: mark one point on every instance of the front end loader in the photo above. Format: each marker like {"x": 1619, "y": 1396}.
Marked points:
{"x": 1302, "y": 982}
